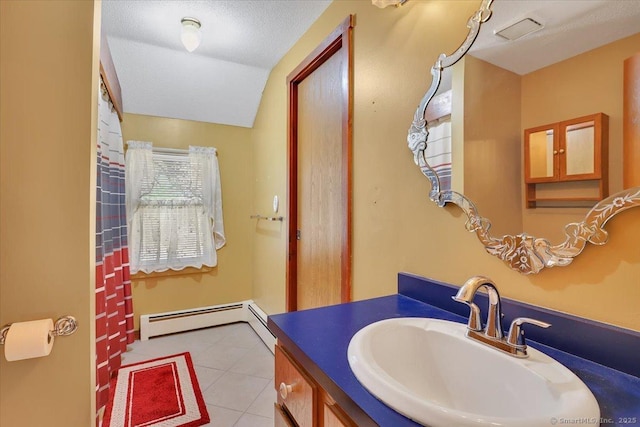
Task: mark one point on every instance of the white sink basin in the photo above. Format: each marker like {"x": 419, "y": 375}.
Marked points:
{"x": 429, "y": 371}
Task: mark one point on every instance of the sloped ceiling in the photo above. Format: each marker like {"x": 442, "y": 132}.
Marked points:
{"x": 221, "y": 81}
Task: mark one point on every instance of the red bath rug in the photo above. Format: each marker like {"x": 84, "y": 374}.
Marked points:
{"x": 161, "y": 392}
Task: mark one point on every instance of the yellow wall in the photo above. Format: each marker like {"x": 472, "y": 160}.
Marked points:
{"x": 48, "y": 115}
{"x": 585, "y": 84}
{"x": 392, "y": 60}
{"x": 492, "y": 140}
{"x": 230, "y": 281}
{"x": 396, "y": 227}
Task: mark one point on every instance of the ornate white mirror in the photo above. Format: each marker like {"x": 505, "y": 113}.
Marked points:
{"x": 485, "y": 198}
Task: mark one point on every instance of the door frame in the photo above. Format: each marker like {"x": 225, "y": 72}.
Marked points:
{"x": 340, "y": 41}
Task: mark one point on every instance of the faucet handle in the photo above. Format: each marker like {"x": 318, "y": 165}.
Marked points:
{"x": 515, "y": 336}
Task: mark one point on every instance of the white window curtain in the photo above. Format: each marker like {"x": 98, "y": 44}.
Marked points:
{"x": 174, "y": 207}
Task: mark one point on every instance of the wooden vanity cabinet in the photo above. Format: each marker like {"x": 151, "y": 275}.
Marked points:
{"x": 571, "y": 150}
{"x": 301, "y": 401}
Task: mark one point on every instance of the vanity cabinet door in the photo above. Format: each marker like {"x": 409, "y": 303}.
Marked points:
{"x": 295, "y": 391}
{"x": 332, "y": 416}
{"x": 281, "y": 419}
{"x": 302, "y": 402}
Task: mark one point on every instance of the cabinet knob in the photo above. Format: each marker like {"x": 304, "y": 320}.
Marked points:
{"x": 555, "y": 151}
{"x": 285, "y": 390}
{"x": 562, "y": 151}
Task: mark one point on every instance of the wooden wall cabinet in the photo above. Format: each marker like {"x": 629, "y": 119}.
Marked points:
{"x": 301, "y": 401}
{"x": 630, "y": 128}
{"x": 572, "y": 150}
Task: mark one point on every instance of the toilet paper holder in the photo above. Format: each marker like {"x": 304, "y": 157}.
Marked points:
{"x": 66, "y": 325}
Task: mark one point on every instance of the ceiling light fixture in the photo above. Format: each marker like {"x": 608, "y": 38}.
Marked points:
{"x": 191, "y": 36}
{"x": 384, "y": 3}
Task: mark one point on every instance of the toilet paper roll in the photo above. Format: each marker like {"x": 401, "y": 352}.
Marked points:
{"x": 26, "y": 340}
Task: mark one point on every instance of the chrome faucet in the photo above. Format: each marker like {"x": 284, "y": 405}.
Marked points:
{"x": 466, "y": 294}
{"x": 492, "y": 334}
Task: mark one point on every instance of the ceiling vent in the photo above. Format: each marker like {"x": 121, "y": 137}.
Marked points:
{"x": 519, "y": 29}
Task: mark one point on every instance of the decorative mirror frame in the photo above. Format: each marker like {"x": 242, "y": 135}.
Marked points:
{"x": 522, "y": 252}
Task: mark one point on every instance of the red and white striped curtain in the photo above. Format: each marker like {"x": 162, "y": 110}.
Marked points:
{"x": 114, "y": 308}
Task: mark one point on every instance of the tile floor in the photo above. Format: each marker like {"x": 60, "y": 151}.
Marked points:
{"x": 235, "y": 370}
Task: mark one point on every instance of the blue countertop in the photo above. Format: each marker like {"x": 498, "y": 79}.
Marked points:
{"x": 318, "y": 339}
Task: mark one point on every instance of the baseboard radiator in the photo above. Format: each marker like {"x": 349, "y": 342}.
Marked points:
{"x": 258, "y": 321}
{"x": 152, "y": 325}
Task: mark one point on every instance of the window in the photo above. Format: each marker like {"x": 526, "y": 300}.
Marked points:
{"x": 174, "y": 208}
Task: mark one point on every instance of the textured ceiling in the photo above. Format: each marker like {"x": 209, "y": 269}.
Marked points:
{"x": 222, "y": 81}
{"x": 571, "y": 27}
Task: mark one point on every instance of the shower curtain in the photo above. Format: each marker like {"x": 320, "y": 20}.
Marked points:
{"x": 114, "y": 308}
